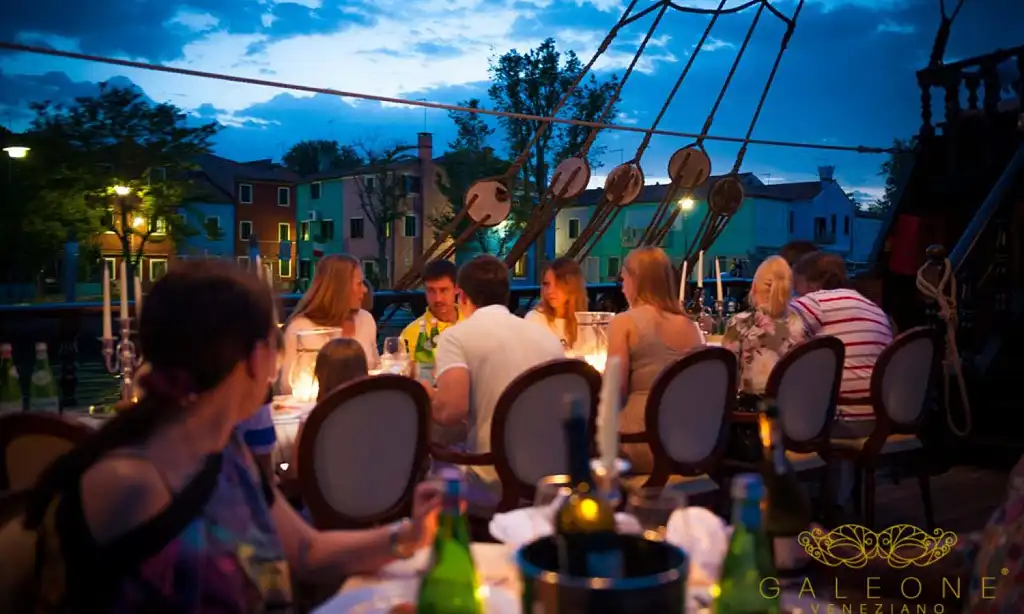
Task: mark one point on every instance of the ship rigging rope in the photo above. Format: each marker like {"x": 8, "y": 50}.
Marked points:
{"x": 944, "y": 295}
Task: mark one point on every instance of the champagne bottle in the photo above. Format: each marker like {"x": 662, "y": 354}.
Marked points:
{"x": 424, "y": 353}
{"x": 748, "y": 561}
{"x": 450, "y": 586}
{"x": 788, "y": 509}
{"x": 585, "y": 521}
{"x": 42, "y": 390}
{"x": 11, "y": 398}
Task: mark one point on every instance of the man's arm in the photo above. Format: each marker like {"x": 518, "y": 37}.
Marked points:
{"x": 810, "y": 314}
{"x": 450, "y": 403}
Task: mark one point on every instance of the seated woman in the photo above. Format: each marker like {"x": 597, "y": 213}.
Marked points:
{"x": 653, "y": 333}
{"x": 563, "y": 292}
{"x": 767, "y": 330}
{"x": 164, "y": 510}
{"x": 335, "y": 299}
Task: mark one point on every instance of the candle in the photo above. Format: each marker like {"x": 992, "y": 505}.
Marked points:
{"x": 608, "y": 413}
{"x": 124, "y": 290}
{"x": 700, "y": 269}
{"x": 138, "y": 298}
{"x": 718, "y": 279}
{"x": 682, "y": 284}
{"x": 107, "y": 333}
{"x": 259, "y": 266}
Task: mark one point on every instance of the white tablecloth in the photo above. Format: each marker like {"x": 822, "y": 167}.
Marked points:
{"x": 287, "y": 430}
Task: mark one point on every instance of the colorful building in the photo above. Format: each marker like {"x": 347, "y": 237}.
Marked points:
{"x": 211, "y": 214}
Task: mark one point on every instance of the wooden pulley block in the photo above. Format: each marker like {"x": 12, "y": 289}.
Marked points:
{"x": 571, "y": 177}
{"x": 689, "y": 167}
{"x": 488, "y": 197}
{"x": 726, "y": 196}
{"x": 622, "y": 186}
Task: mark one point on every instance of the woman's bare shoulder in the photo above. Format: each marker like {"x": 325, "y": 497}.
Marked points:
{"x": 119, "y": 493}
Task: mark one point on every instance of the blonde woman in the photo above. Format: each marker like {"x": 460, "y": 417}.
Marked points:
{"x": 650, "y": 335}
{"x": 762, "y": 334}
{"x": 563, "y": 292}
{"x": 334, "y": 299}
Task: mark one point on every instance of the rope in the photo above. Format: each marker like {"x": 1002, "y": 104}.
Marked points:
{"x": 952, "y": 365}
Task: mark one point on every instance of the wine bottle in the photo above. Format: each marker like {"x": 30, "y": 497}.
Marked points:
{"x": 585, "y": 521}
{"x": 788, "y": 509}
{"x": 450, "y": 585}
{"x": 42, "y": 391}
{"x": 748, "y": 561}
{"x": 11, "y": 399}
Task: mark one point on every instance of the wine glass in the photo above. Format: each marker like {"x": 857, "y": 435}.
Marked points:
{"x": 551, "y": 489}
{"x": 394, "y": 358}
{"x": 653, "y": 507}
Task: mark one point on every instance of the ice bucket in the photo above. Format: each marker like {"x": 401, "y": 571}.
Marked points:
{"x": 654, "y": 581}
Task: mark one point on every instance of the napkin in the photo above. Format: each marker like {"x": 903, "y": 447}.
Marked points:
{"x": 705, "y": 539}
{"x": 522, "y": 526}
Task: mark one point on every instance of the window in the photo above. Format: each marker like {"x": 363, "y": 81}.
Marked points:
{"x": 243, "y": 262}
{"x": 370, "y": 269}
{"x": 284, "y": 231}
{"x": 832, "y": 224}
{"x": 356, "y": 228}
{"x": 157, "y": 268}
{"x": 284, "y": 196}
{"x": 846, "y": 225}
{"x": 574, "y": 227}
{"x": 792, "y": 221}
{"x": 244, "y": 230}
{"x": 412, "y": 184}
{"x": 409, "y": 226}
{"x": 368, "y": 183}
{"x": 304, "y": 231}
{"x": 326, "y": 230}
{"x": 387, "y": 230}
{"x": 519, "y": 270}
{"x": 284, "y": 268}
{"x": 111, "y": 264}
{"x": 107, "y": 221}
{"x": 305, "y": 269}
{"x": 160, "y": 226}
{"x": 212, "y": 227}
{"x": 245, "y": 193}
{"x": 314, "y": 190}
{"x": 613, "y": 267}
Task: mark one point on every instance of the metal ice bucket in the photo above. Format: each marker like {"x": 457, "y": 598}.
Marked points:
{"x": 654, "y": 581}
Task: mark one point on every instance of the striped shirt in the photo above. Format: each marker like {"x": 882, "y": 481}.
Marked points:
{"x": 863, "y": 328}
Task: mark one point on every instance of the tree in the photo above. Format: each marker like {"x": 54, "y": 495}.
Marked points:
{"x": 120, "y": 138}
{"x": 469, "y": 159}
{"x": 892, "y": 169}
{"x": 533, "y": 83}
{"x": 320, "y": 156}
{"x": 383, "y": 195}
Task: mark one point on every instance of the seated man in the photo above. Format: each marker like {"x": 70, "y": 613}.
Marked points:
{"x": 795, "y": 250}
{"x": 442, "y": 312}
{"x": 480, "y": 357}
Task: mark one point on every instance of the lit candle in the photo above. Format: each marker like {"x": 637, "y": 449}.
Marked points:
{"x": 259, "y": 266}
{"x": 138, "y": 298}
{"x": 700, "y": 269}
{"x": 107, "y": 333}
{"x": 124, "y": 290}
{"x": 608, "y": 413}
{"x": 682, "y": 284}
{"x": 718, "y": 279}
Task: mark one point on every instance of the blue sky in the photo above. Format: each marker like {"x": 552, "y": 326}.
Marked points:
{"x": 847, "y": 78}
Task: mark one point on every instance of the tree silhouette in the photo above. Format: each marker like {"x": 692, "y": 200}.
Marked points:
{"x": 320, "y": 156}
{"x": 383, "y": 195}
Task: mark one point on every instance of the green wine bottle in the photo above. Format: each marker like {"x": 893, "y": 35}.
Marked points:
{"x": 42, "y": 390}
{"x": 423, "y": 355}
{"x": 748, "y": 561}
{"x": 450, "y": 586}
{"x": 585, "y": 521}
{"x": 787, "y": 510}
{"x": 11, "y": 398}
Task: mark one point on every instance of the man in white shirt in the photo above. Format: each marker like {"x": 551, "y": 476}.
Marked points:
{"x": 480, "y": 356}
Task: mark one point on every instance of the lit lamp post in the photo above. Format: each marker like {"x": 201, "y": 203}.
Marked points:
{"x": 685, "y": 206}
{"x": 14, "y": 152}
{"x": 119, "y": 355}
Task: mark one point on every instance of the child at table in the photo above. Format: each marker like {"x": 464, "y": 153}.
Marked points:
{"x": 339, "y": 362}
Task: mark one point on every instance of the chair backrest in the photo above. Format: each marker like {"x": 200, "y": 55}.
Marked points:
{"x": 362, "y": 451}
{"x": 18, "y": 553}
{"x": 527, "y": 438}
{"x": 901, "y": 377}
{"x": 688, "y": 410}
{"x": 29, "y": 442}
{"x": 805, "y": 385}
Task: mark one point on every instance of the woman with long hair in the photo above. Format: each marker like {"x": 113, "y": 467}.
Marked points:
{"x": 164, "y": 509}
{"x": 762, "y": 334}
{"x": 334, "y": 299}
{"x": 563, "y": 292}
{"x": 653, "y": 333}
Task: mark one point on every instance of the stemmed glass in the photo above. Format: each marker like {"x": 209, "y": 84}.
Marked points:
{"x": 395, "y": 357}
{"x": 653, "y": 507}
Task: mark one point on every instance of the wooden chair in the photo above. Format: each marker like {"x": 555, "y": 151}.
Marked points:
{"x": 362, "y": 452}
{"x": 29, "y": 442}
{"x": 899, "y": 387}
{"x": 527, "y": 438}
{"x": 687, "y": 422}
{"x": 18, "y": 553}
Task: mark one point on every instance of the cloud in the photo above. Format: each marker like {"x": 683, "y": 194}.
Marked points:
{"x": 895, "y": 28}
{"x": 194, "y": 21}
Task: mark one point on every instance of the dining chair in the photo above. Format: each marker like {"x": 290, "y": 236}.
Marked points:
{"x": 686, "y": 423}
{"x": 362, "y": 452}
{"x": 29, "y": 442}
{"x": 900, "y": 382}
{"x": 18, "y": 552}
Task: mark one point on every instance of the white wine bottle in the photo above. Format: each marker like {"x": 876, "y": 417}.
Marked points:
{"x": 585, "y": 522}
{"x": 747, "y": 561}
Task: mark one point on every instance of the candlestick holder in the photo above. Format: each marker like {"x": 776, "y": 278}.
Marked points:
{"x": 705, "y": 317}
{"x": 121, "y": 357}
{"x": 721, "y": 318}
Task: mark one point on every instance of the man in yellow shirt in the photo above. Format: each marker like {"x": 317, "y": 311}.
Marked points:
{"x": 442, "y": 313}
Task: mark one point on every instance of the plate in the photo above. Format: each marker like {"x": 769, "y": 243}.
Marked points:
{"x": 380, "y": 598}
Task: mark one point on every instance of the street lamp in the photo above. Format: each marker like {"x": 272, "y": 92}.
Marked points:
{"x": 121, "y": 190}
{"x": 685, "y": 205}
{"x": 17, "y": 151}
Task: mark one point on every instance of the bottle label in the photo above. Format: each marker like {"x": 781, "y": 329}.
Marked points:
{"x": 426, "y": 372}
{"x": 41, "y": 378}
{"x": 45, "y": 404}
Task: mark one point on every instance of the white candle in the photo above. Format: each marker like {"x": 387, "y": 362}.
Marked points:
{"x": 259, "y": 266}
{"x": 138, "y": 298}
{"x": 107, "y": 334}
{"x": 124, "y": 290}
{"x": 682, "y": 284}
{"x": 718, "y": 279}
{"x": 700, "y": 269}
{"x": 608, "y": 413}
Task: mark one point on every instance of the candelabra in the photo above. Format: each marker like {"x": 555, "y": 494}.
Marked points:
{"x": 705, "y": 316}
{"x": 120, "y": 356}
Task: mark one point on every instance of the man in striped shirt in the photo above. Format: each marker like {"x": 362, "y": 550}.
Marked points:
{"x": 828, "y": 306}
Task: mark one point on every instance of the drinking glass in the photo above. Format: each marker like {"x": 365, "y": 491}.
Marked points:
{"x": 394, "y": 358}
{"x": 652, "y": 507}
{"x": 551, "y": 489}
{"x": 394, "y": 346}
